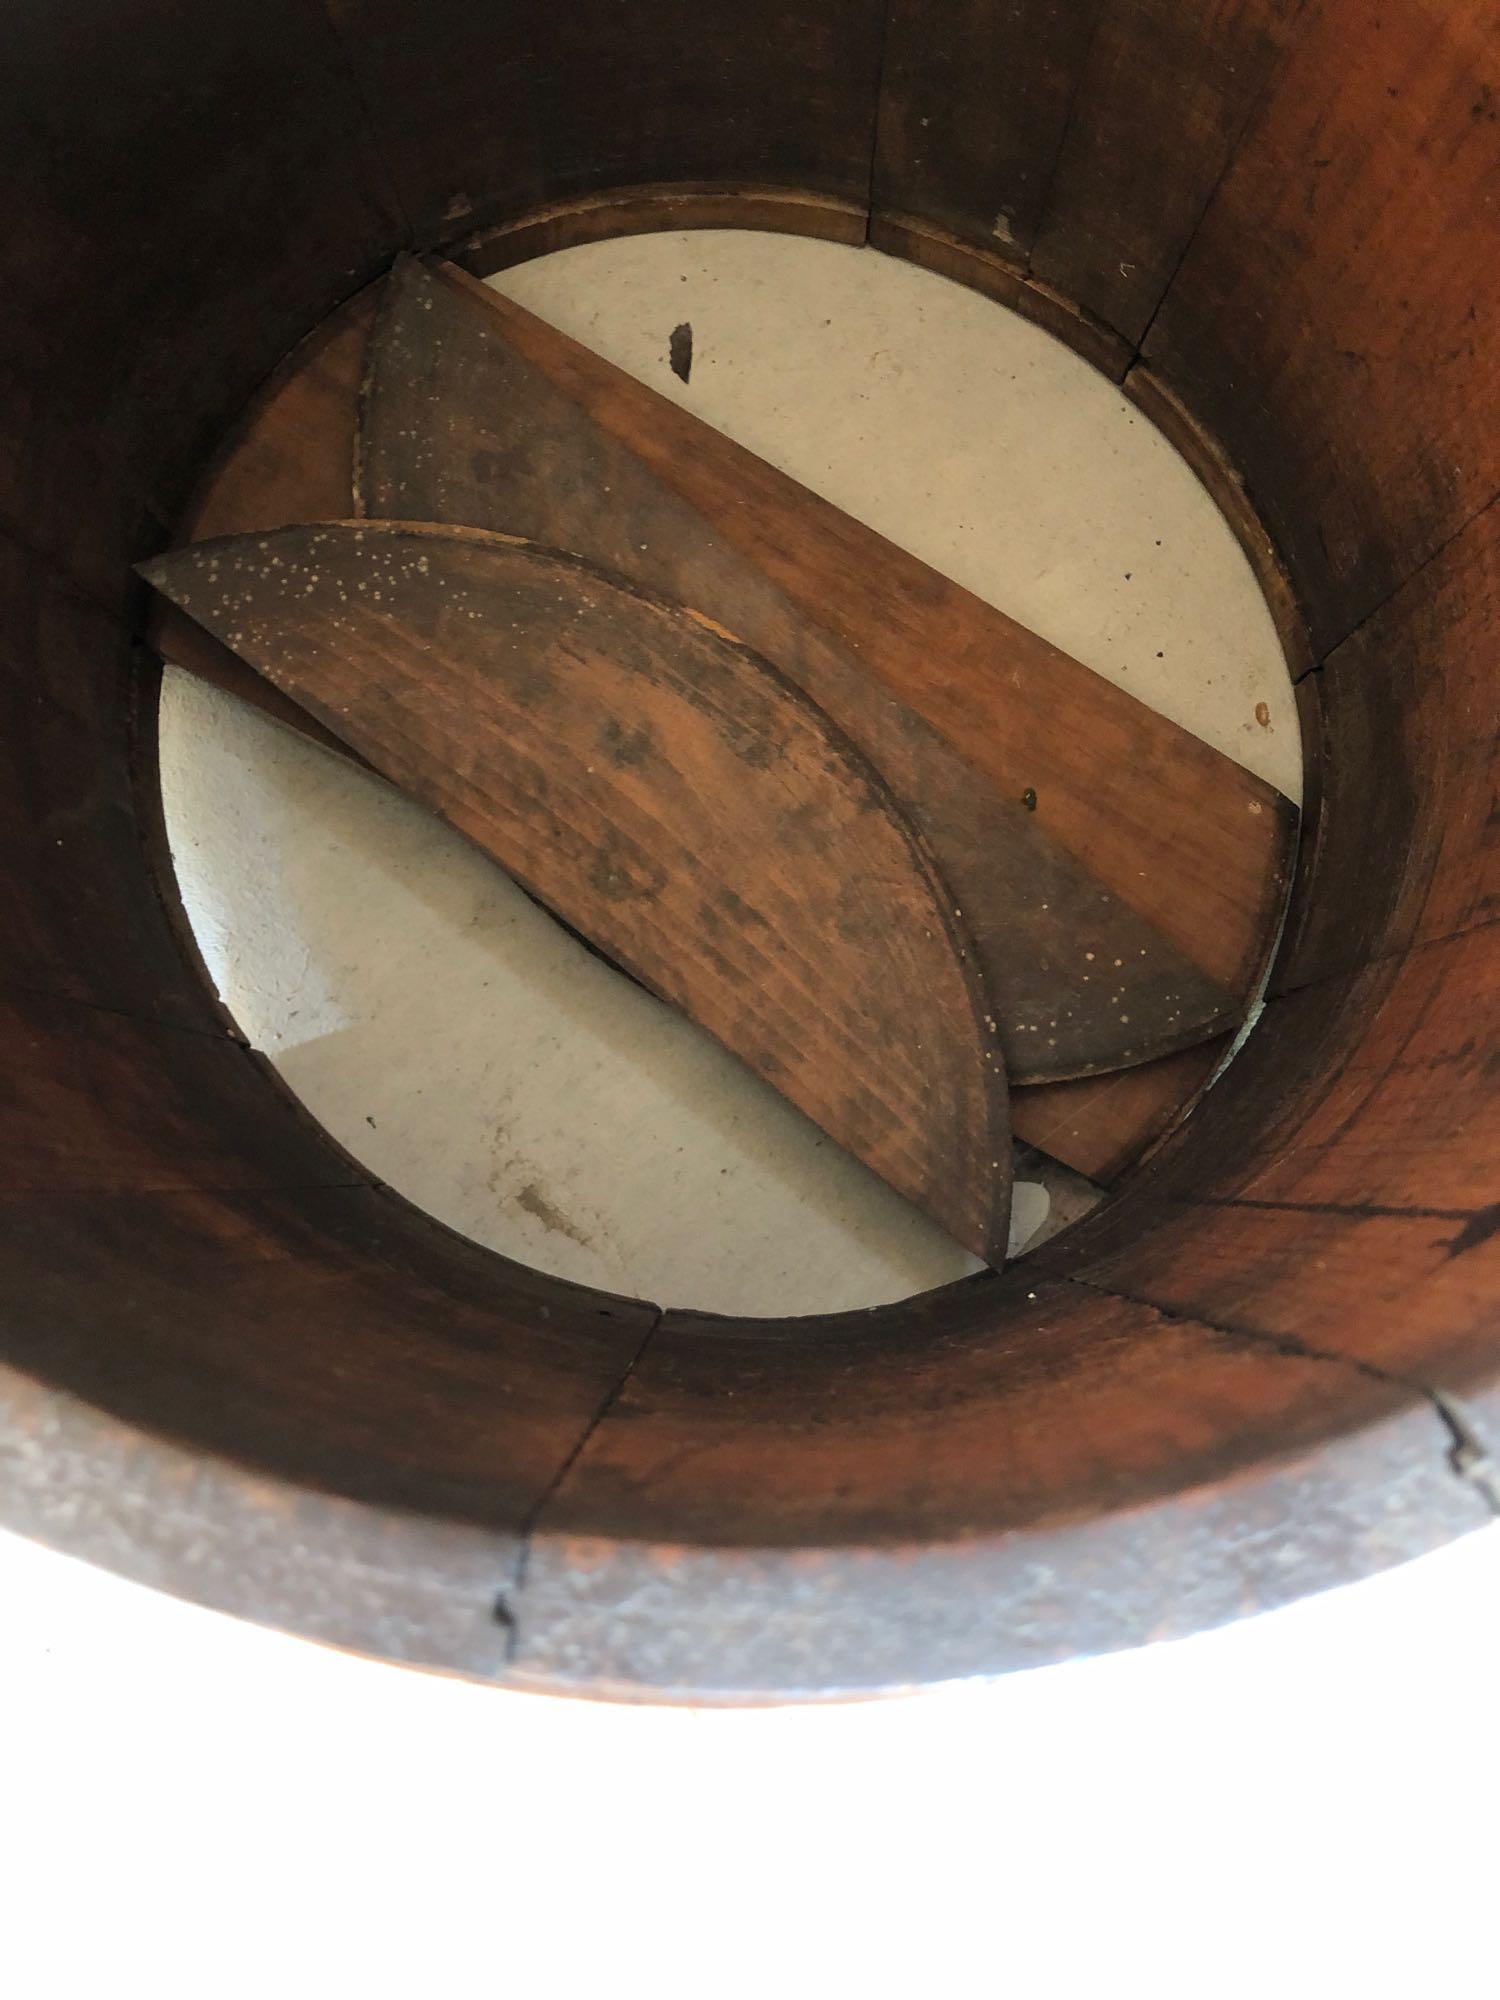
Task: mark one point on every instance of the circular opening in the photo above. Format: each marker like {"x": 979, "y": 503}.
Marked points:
{"x": 479, "y": 1058}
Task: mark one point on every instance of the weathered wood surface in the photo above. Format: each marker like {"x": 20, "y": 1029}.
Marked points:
{"x": 485, "y": 112}
{"x": 479, "y": 413}
{"x": 1160, "y": 101}
{"x": 974, "y": 105}
{"x": 1346, "y": 267}
{"x": 669, "y": 794}
{"x": 1100, "y": 1125}
{"x": 1416, "y": 856}
{"x": 291, "y": 460}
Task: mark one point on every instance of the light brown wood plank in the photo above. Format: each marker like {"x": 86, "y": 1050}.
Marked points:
{"x": 667, "y": 792}
{"x": 1100, "y": 1125}
{"x": 461, "y": 425}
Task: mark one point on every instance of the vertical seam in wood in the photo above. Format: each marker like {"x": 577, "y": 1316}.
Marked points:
{"x": 347, "y": 61}
{"x": 1469, "y": 1457}
{"x": 507, "y": 1608}
{"x": 1241, "y": 140}
{"x": 887, "y": 16}
{"x": 1044, "y": 206}
{"x": 1396, "y": 589}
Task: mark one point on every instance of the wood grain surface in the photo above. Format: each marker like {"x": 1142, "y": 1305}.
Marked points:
{"x": 478, "y": 413}
{"x": 668, "y": 793}
{"x": 290, "y": 460}
{"x": 1346, "y": 267}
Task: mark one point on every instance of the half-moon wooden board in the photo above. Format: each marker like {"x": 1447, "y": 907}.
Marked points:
{"x": 668, "y": 793}
{"x": 476, "y": 413}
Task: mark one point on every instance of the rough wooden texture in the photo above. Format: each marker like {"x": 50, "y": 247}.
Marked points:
{"x": 1328, "y": 1211}
{"x": 328, "y": 1336}
{"x": 1162, "y": 98}
{"x": 217, "y": 213}
{"x": 1027, "y": 716}
{"x": 1346, "y": 267}
{"x": 997, "y": 277}
{"x": 763, "y": 93}
{"x": 1100, "y": 1125}
{"x": 667, "y": 793}
{"x": 1415, "y": 693}
{"x": 974, "y": 107}
{"x": 644, "y": 211}
{"x": 477, "y": 412}
{"x": 289, "y": 461}
{"x": 81, "y": 915}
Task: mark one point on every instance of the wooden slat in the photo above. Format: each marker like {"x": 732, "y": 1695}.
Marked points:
{"x": 1178, "y": 832}
{"x": 486, "y": 111}
{"x": 1336, "y": 321}
{"x": 289, "y": 459}
{"x": 477, "y": 413}
{"x": 974, "y": 104}
{"x": 1100, "y": 1125}
{"x": 669, "y": 794}
{"x": 1396, "y": 863}
{"x": 1163, "y": 98}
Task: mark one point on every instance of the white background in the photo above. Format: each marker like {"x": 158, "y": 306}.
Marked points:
{"x": 1303, "y": 1804}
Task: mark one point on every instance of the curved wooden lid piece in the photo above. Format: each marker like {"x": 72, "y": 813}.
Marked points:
{"x": 1121, "y": 878}
{"x": 668, "y": 793}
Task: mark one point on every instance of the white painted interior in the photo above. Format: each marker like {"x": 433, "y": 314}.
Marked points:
{"x": 478, "y": 1059}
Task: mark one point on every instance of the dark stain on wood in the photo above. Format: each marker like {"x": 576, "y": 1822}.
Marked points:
{"x": 853, "y": 989}
{"x": 576, "y": 454}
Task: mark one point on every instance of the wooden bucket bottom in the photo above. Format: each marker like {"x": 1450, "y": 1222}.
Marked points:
{"x": 236, "y": 1367}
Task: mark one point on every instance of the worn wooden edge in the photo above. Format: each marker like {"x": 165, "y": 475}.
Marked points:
{"x": 643, "y": 209}
{"x": 639, "y": 1622}
{"x": 983, "y": 1230}
{"x": 646, "y": 1621}
{"x": 652, "y": 210}
{"x": 1226, "y": 487}
{"x": 1079, "y": 1121}
{"x": 988, "y": 270}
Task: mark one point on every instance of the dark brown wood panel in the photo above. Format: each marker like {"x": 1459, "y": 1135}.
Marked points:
{"x": 186, "y": 191}
{"x": 67, "y": 499}
{"x": 80, "y": 913}
{"x": 755, "y": 1435}
{"x": 1101, "y": 1125}
{"x": 1209, "y": 874}
{"x": 91, "y": 1100}
{"x": 478, "y": 414}
{"x": 1404, "y": 845}
{"x": 1165, "y": 94}
{"x": 666, "y": 792}
{"x": 488, "y": 107}
{"x": 333, "y": 1338}
{"x": 1337, "y": 319}
{"x": 974, "y": 106}
{"x": 1352, "y": 1197}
